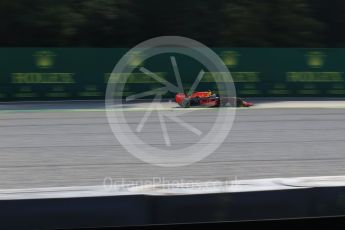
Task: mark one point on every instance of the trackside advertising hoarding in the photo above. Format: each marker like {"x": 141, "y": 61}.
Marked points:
{"x": 82, "y": 73}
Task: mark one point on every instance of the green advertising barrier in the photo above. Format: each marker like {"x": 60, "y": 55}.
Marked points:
{"x": 82, "y": 73}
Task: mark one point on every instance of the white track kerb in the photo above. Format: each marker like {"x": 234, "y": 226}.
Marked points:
{"x": 202, "y": 142}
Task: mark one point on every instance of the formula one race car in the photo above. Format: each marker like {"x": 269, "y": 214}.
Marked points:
{"x": 208, "y": 99}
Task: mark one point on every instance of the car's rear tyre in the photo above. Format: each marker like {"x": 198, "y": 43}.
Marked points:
{"x": 185, "y": 103}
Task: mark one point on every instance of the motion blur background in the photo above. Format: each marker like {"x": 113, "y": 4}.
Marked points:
{"x": 275, "y": 50}
{"x": 56, "y": 56}
{"x": 220, "y": 23}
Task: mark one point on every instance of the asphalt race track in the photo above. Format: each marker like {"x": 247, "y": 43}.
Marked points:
{"x": 71, "y": 144}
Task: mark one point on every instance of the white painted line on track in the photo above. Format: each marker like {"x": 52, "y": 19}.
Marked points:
{"x": 207, "y": 187}
{"x": 168, "y": 106}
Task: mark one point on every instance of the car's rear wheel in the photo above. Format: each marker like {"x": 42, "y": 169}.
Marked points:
{"x": 185, "y": 103}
